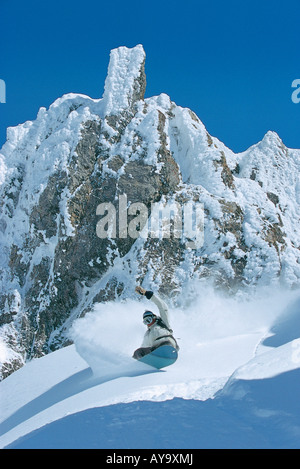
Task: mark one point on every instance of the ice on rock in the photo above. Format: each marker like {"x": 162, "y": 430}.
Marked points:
{"x": 126, "y": 81}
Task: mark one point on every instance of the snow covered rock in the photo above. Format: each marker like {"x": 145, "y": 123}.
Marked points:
{"x": 126, "y": 80}
{"x": 125, "y": 153}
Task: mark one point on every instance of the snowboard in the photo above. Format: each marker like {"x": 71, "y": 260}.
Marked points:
{"x": 162, "y": 356}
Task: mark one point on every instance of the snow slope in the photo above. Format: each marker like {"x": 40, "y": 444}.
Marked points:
{"x": 235, "y": 384}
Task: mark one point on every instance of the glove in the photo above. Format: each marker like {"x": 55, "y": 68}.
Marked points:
{"x": 140, "y": 290}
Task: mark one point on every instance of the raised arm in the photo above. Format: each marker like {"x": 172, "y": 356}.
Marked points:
{"x": 162, "y": 307}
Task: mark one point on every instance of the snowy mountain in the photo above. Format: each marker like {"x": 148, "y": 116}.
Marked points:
{"x": 83, "y": 189}
{"x": 234, "y": 385}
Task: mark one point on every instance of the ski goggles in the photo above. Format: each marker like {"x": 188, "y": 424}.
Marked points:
{"x": 148, "y": 318}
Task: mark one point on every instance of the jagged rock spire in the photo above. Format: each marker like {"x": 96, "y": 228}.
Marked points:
{"x": 126, "y": 80}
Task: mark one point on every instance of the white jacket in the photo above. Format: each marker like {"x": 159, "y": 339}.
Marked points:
{"x": 154, "y": 332}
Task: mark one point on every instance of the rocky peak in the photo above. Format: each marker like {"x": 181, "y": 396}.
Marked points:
{"x": 271, "y": 139}
{"x": 126, "y": 80}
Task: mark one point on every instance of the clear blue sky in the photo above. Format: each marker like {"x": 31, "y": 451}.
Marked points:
{"x": 232, "y": 62}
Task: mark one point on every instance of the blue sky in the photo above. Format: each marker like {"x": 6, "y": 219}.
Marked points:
{"x": 231, "y": 62}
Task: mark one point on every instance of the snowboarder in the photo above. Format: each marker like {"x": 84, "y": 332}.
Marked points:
{"x": 159, "y": 331}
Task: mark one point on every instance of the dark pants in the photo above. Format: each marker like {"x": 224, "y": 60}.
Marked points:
{"x": 142, "y": 351}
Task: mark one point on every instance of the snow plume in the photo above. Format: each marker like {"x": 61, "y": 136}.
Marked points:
{"x": 219, "y": 315}
{"x": 107, "y": 336}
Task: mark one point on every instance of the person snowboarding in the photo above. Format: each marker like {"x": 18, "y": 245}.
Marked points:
{"x": 159, "y": 331}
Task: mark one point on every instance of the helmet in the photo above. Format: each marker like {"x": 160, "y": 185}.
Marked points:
{"x": 148, "y": 317}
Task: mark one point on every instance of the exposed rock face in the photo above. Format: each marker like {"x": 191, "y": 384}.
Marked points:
{"x": 124, "y": 150}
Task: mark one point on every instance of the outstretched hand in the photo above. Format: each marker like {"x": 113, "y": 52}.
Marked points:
{"x": 140, "y": 290}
